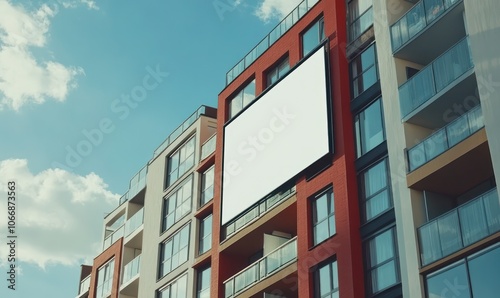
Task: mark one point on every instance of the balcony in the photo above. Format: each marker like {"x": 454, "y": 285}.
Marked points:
{"x": 113, "y": 237}
{"x": 445, "y": 138}
{"x": 259, "y": 210}
{"x": 137, "y": 183}
{"x": 208, "y": 147}
{"x": 270, "y": 39}
{"x": 460, "y": 227}
{"x": 203, "y": 110}
{"x": 131, "y": 270}
{"x": 261, "y": 269}
{"x": 421, "y": 17}
{"x": 431, "y": 82}
{"x": 361, "y": 24}
{"x": 84, "y": 287}
{"x": 134, "y": 222}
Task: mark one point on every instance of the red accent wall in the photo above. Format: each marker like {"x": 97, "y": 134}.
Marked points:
{"x": 346, "y": 244}
{"x": 115, "y": 250}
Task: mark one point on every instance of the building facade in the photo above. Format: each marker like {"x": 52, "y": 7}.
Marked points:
{"x": 353, "y": 153}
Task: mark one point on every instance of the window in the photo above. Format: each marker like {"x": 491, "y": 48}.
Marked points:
{"x": 278, "y": 71}
{"x": 242, "y": 99}
{"x": 205, "y": 234}
{"x": 382, "y": 263}
{"x": 177, "y": 289}
{"x": 105, "y": 279}
{"x": 180, "y": 162}
{"x": 327, "y": 281}
{"x": 207, "y": 186}
{"x": 313, "y": 37}
{"x": 174, "y": 251}
{"x": 369, "y": 125}
{"x": 323, "y": 216}
{"x": 360, "y": 17}
{"x": 203, "y": 285}
{"x": 475, "y": 276}
{"x": 364, "y": 71}
{"x": 177, "y": 204}
{"x": 375, "y": 192}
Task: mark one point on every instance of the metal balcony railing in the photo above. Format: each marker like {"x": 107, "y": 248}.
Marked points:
{"x": 266, "y": 266}
{"x": 445, "y": 138}
{"x": 460, "y": 227}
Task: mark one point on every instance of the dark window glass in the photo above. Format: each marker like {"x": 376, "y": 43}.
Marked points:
{"x": 177, "y": 205}
{"x": 327, "y": 282}
{"x": 177, "y": 289}
{"x": 485, "y": 274}
{"x": 313, "y": 37}
{"x": 375, "y": 192}
{"x": 449, "y": 282}
{"x": 382, "y": 261}
{"x": 205, "y": 234}
{"x": 180, "y": 162}
{"x": 323, "y": 217}
{"x": 242, "y": 99}
{"x": 203, "y": 286}
{"x": 369, "y": 125}
{"x": 364, "y": 71}
{"x": 207, "y": 186}
{"x": 174, "y": 251}
{"x": 277, "y": 72}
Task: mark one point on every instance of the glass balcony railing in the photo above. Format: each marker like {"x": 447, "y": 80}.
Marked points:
{"x": 259, "y": 210}
{"x": 270, "y": 39}
{"x": 137, "y": 183}
{"x": 361, "y": 24}
{"x": 208, "y": 147}
{"x": 416, "y": 19}
{"x": 84, "y": 286}
{"x": 460, "y": 227}
{"x": 131, "y": 269}
{"x": 113, "y": 237}
{"x": 448, "y": 67}
{"x": 134, "y": 222}
{"x": 203, "y": 110}
{"x": 445, "y": 138}
{"x": 266, "y": 266}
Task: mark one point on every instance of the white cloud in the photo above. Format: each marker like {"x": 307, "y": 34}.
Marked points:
{"x": 23, "y": 78}
{"x": 275, "y": 9}
{"x": 75, "y": 3}
{"x": 60, "y": 214}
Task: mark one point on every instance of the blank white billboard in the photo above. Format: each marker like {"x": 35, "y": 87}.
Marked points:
{"x": 278, "y": 136}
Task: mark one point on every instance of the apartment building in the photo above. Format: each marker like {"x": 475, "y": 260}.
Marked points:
{"x": 163, "y": 219}
{"x": 354, "y": 154}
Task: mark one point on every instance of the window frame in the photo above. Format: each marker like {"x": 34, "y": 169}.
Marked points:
{"x": 360, "y": 133}
{"x": 368, "y": 260}
{"x": 203, "y": 200}
{"x": 199, "y": 280}
{"x": 278, "y": 69}
{"x": 161, "y": 261}
{"x": 321, "y": 35}
{"x": 240, "y": 95}
{"x": 330, "y": 201}
{"x": 364, "y": 199}
{"x": 168, "y": 180}
{"x": 168, "y": 287}
{"x": 351, "y": 19}
{"x": 109, "y": 272}
{"x": 359, "y": 74}
{"x": 176, "y": 207}
{"x": 202, "y": 236}
{"x": 317, "y": 279}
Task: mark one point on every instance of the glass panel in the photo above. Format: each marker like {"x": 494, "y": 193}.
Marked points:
{"x": 416, "y": 156}
{"x": 484, "y": 272}
{"x": 492, "y": 208}
{"x": 475, "y": 119}
{"x": 377, "y": 204}
{"x": 416, "y": 19}
{"x": 310, "y": 39}
{"x": 457, "y": 131}
{"x": 449, "y": 232}
{"x": 473, "y": 222}
{"x": 384, "y": 276}
{"x": 452, "y": 282}
{"x": 416, "y": 91}
{"x": 434, "y": 8}
{"x": 435, "y": 144}
{"x": 430, "y": 247}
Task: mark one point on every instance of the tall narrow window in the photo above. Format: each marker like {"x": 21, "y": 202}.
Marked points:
{"x": 375, "y": 192}
{"x": 360, "y": 16}
{"x": 382, "y": 261}
{"x": 207, "y": 186}
{"x": 242, "y": 99}
{"x": 327, "y": 281}
{"x": 364, "y": 71}
{"x": 177, "y": 289}
{"x": 105, "y": 279}
{"x": 203, "y": 284}
{"x": 313, "y": 37}
{"x": 180, "y": 162}
{"x": 369, "y": 125}
{"x": 278, "y": 71}
{"x": 174, "y": 251}
{"x": 323, "y": 216}
{"x": 177, "y": 204}
{"x": 205, "y": 234}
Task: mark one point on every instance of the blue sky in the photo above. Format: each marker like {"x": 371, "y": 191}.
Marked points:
{"x": 67, "y": 68}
